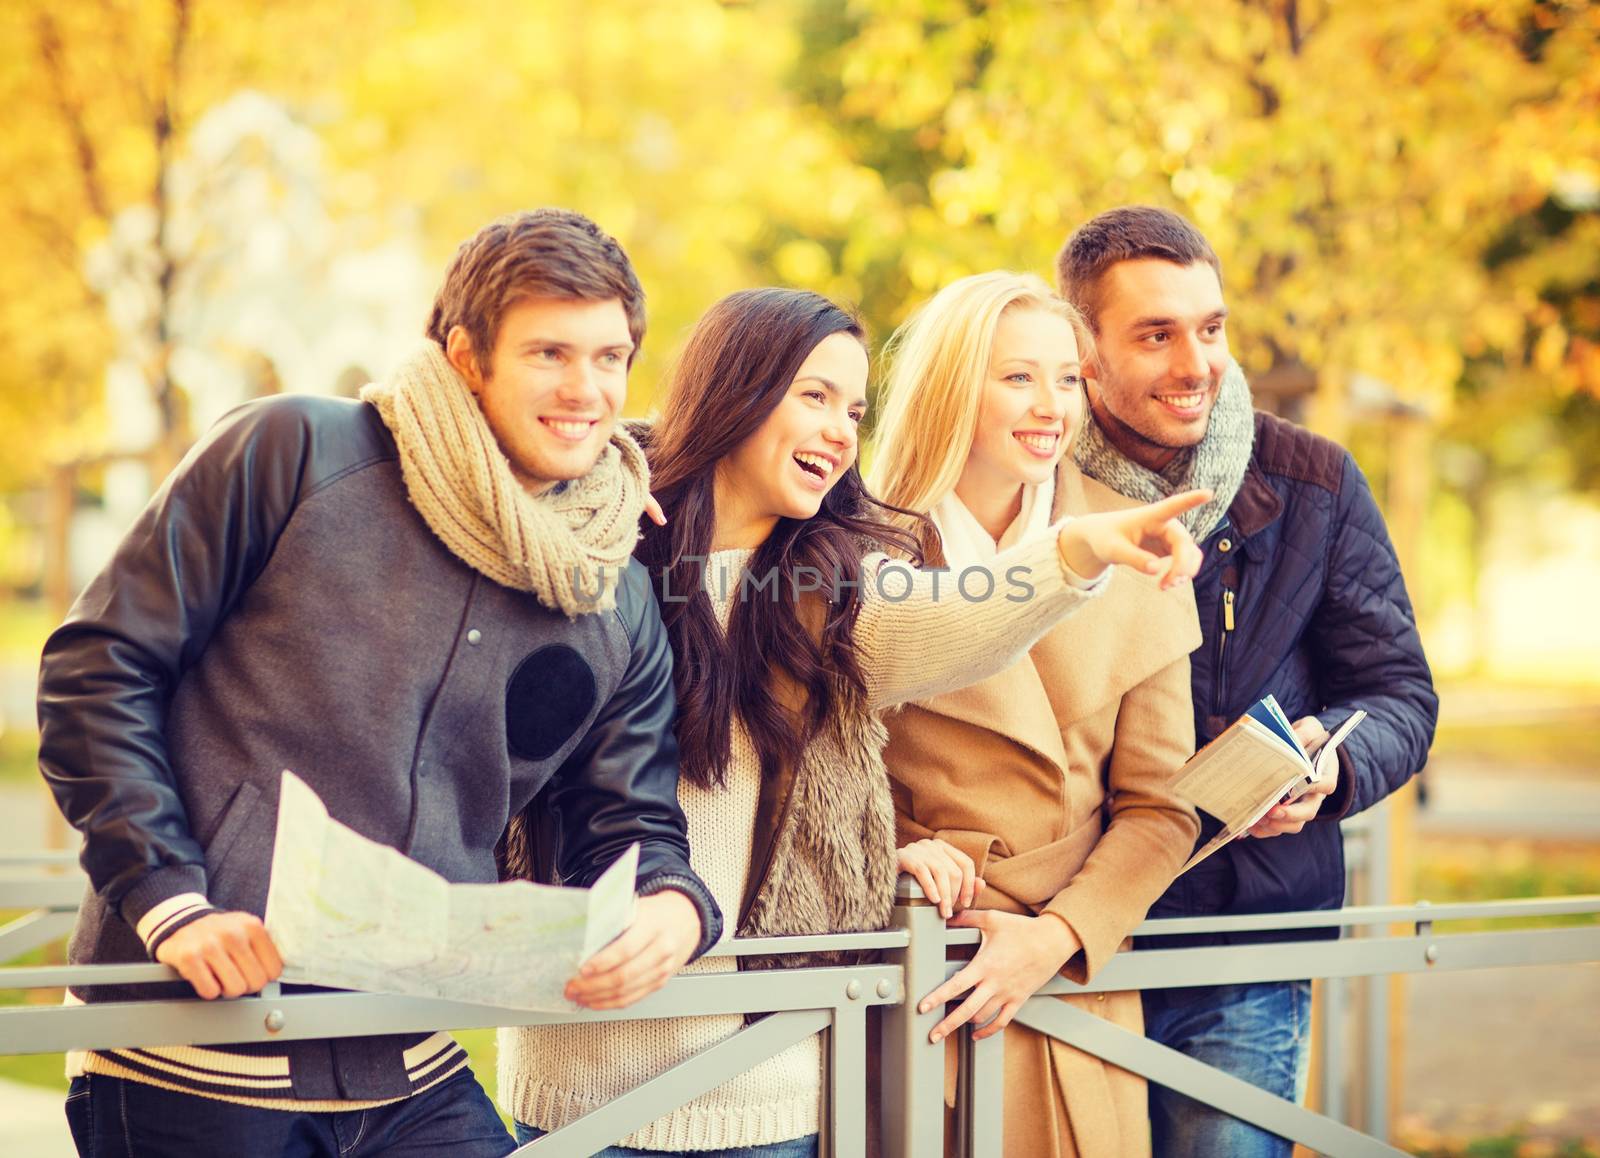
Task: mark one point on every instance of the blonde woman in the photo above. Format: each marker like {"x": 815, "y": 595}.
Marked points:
{"x": 1048, "y": 783}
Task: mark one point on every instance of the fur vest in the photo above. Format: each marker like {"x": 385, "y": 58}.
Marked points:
{"x": 823, "y": 858}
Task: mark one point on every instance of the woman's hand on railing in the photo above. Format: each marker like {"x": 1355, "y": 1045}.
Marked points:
{"x": 1018, "y": 955}
{"x": 224, "y": 954}
{"x": 947, "y": 875}
{"x": 1140, "y": 537}
{"x": 664, "y": 933}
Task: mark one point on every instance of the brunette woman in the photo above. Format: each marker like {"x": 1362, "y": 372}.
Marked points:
{"x": 1049, "y": 781}
{"x": 789, "y": 635}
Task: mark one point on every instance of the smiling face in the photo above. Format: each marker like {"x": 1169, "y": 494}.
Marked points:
{"x": 1032, "y": 401}
{"x": 1162, "y": 348}
{"x": 799, "y": 451}
{"x": 555, "y": 381}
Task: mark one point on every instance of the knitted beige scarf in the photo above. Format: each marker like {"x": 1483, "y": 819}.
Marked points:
{"x": 567, "y": 546}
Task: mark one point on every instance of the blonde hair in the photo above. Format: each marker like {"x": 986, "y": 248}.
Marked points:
{"x": 932, "y": 391}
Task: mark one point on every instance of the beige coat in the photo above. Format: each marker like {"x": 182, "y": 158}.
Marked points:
{"x": 1054, "y": 777}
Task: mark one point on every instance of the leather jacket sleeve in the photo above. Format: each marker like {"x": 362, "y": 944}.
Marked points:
{"x": 620, "y": 785}
{"x": 108, "y": 673}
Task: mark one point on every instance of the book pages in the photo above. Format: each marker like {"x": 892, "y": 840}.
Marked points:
{"x": 1233, "y": 774}
{"x": 1254, "y": 765}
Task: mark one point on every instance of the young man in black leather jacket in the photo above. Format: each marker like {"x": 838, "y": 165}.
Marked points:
{"x": 424, "y": 605}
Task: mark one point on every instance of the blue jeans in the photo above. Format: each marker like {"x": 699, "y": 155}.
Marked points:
{"x": 805, "y": 1147}
{"x": 1260, "y": 1033}
{"x": 115, "y": 1118}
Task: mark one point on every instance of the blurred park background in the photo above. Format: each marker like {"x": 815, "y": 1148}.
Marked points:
{"x": 207, "y": 201}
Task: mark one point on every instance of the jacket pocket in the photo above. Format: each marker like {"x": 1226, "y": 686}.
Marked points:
{"x": 236, "y": 820}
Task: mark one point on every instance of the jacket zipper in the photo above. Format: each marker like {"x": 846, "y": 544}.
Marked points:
{"x": 1222, "y": 650}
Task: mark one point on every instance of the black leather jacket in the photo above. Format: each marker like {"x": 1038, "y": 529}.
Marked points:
{"x": 281, "y": 605}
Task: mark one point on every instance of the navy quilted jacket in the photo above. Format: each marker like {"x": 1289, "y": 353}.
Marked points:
{"x": 1300, "y": 595}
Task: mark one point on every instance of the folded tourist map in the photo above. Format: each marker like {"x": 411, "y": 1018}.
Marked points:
{"x": 348, "y": 912}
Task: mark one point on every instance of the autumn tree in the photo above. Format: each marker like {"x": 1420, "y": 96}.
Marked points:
{"x": 669, "y": 124}
{"x": 1350, "y": 163}
{"x": 103, "y": 97}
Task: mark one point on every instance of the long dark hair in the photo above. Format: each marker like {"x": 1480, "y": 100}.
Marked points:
{"x": 739, "y": 364}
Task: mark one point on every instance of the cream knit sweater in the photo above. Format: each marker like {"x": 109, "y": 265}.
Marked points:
{"x": 917, "y": 636}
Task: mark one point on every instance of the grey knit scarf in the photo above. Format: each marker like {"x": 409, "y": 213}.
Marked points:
{"x": 1217, "y": 462}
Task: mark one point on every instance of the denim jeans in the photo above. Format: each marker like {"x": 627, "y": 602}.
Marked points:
{"x": 805, "y": 1147}
{"x": 1260, "y": 1033}
{"x": 115, "y": 1118}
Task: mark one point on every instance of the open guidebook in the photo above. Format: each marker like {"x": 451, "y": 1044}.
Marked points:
{"x": 1253, "y": 766}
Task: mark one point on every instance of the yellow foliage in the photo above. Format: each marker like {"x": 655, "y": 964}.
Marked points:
{"x": 1350, "y": 163}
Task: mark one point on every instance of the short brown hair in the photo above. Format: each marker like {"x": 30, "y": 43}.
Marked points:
{"x": 1126, "y": 234}
{"x": 552, "y": 253}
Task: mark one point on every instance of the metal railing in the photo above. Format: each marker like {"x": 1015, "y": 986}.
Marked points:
{"x": 1421, "y": 950}
{"x": 833, "y": 1001}
{"x": 1351, "y": 1031}
{"x": 49, "y": 885}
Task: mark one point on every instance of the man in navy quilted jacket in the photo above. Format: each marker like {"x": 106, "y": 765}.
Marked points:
{"x": 1300, "y": 596}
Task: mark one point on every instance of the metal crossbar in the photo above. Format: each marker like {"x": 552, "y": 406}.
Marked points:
{"x": 832, "y": 1001}
{"x": 30, "y": 890}
{"x": 1356, "y": 916}
{"x": 688, "y": 1079}
{"x": 1367, "y": 957}
{"x": 1157, "y": 1063}
{"x": 276, "y": 1016}
{"x": 26, "y": 882}
{"x": 979, "y": 1108}
{"x": 31, "y": 930}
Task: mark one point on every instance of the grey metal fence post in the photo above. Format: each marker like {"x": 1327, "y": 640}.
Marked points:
{"x": 913, "y": 1067}
{"x": 1375, "y": 990}
{"x": 847, "y": 1082}
{"x": 1332, "y": 1026}
{"x": 981, "y": 1095}
{"x": 1338, "y": 1034}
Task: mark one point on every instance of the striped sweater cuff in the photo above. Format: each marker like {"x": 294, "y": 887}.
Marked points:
{"x": 169, "y": 916}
